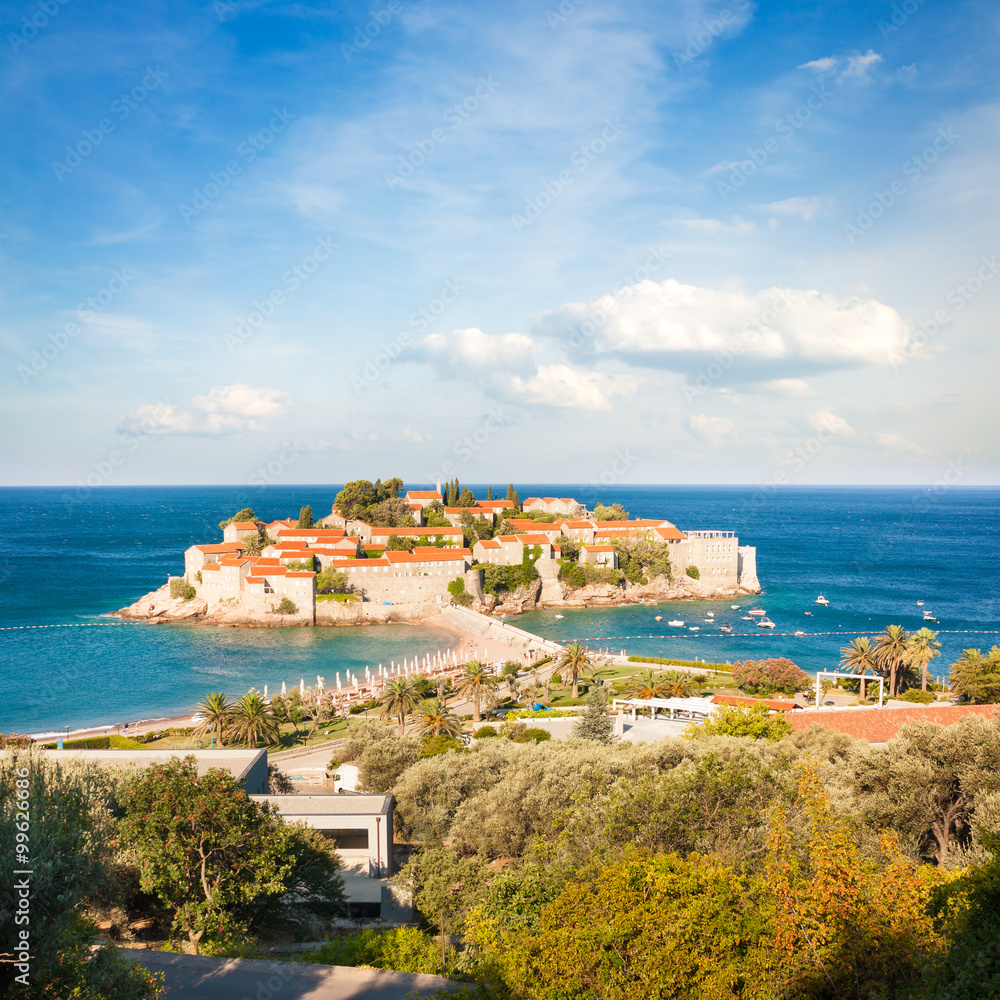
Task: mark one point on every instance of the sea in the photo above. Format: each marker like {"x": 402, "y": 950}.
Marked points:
{"x": 70, "y": 556}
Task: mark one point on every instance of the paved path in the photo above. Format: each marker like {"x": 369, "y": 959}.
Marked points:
{"x": 196, "y": 977}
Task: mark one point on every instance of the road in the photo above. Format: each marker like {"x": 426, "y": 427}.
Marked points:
{"x": 196, "y": 977}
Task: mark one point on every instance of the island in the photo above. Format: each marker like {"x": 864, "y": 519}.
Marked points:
{"x": 382, "y": 555}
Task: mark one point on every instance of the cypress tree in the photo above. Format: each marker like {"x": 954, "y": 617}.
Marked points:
{"x": 595, "y": 723}
{"x": 489, "y": 492}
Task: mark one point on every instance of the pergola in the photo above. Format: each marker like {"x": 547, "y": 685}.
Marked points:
{"x": 854, "y": 677}
{"x": 691, "y": 708}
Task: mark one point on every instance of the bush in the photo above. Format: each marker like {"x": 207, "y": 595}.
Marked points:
{"x": 404, "y": 949}
{"x": 735, "y": 720}
{"x": 285, "y": 607}
{"x": 180, "y": 588}
{"x": 435, "y": 745}
{"x": 768, "y": 676}
{"x": 99, "y": 743}
{"x": 12, "y": 741}
{"x": 458, "y": 592}
{"x": 571, "y": 573}
{"x": 693, "y": 572}
{"x": 329, "y": 581}
{"x": 918, "y": 696}
{"x": 485, "y": 733}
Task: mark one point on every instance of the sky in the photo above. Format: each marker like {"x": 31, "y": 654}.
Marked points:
{"x": 576, "y": 241}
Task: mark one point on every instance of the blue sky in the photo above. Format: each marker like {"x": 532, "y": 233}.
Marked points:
{"x": 648, "y": 242}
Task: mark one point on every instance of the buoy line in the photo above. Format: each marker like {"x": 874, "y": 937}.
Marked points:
{"x": 11, "y": 628}
{"x": 762, "y": 633}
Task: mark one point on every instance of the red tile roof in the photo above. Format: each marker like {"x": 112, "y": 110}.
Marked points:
{"x": 670, "y": 534}
{"x": 597, "y": 548}
{"x": 245, "y": 525}
{"x": 878, "y": 725}
{"x": 774, "y": 705}
{"x": 423, "y": 495}
{"x": 416, "y": 532}
{"x": 490, "y": 543}
{"x": 221, "y": 547}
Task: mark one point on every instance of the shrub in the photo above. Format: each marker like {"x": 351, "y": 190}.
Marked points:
{"x": 302, "y": 565}
{"x": 285, "y": 607}
{"x": 12, "y": 741}
{"x": 557, "y": 679}
{"x": 918, "y": 696}
{"x": 329, "y": 581}
{"x": 572, "y": 573}
{"x": 485, "y": 733}
{"x": 768, "y": 676}
{"x": 693, "y": 572}
{"x": 404, "y": 949}
{"x": 180, "y": 588}
{"x": 442, "y": 743}
{"x": 735, "y": 720}
{"x": 458, "y": 592}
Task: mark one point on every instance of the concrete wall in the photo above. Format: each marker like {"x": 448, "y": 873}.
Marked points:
{"x": 358, "y": 613}
{"x": 747, "y": 569}
{"x": 716, "y": 555}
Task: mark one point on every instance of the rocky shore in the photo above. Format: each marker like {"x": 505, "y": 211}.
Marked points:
{"x": 159, "y": 608}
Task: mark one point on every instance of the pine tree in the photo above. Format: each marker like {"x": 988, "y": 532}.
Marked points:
{"x": 595, "y": 723}
{"x": 306, "y": 517}
{"x": 489, "y": 492}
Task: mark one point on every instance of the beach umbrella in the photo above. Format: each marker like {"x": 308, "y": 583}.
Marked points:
{"x": 284, "y": 694}
{"x": 338, "y": 683}
{"x": 265, "y": 692}
{"x": 302, "y": 687}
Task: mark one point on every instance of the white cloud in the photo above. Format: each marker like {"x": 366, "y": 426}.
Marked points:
{"x": 562, "y": 386}
{"x": 242, "y": 400}
{"x": 824, "y": 65}
{"x": 824, "y": 420}
{"x": 223, "y": 409}
{"x": 721, "y": 167}
{"x": 805, "y": 208}
{"x": 899, "y": 445}
{"x": 860, "y": 65}
{"x": 739, "y": 226}
{"x": 472, "y": 352}
{"x": 771, "y": 334}
{"x": 794, "y": 387}
{"x": 715, "y": 431}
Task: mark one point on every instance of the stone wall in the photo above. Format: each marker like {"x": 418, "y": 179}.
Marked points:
{"x": 366, "y": 613}
{"x": 378, "y": 588}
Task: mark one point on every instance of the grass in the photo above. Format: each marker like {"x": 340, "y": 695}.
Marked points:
{"x": 340, "y": 598}
{"x": 289, "y": 736}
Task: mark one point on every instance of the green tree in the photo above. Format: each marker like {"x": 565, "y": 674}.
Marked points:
{"x": 466, "y": 499}
{"x": 355, "y": 499}
{"x": 306, "y": 517}
{"x": 458, "y": 592}
{"x": 217, "y": 711}
{"x": 923, "y": 649}
{"x": 570, "y": 547}
{"x": 693, "y": 572}
{"x": 393, "y": 512}
{"x": 397, "y": 701}
{"x": 575, "y": 660}
{"x": 892, "y": 652}
{"x": 736, "y": 720}
{"x": 616, "y": 512}
{"x": 286, "y": 606}
{"x": 56, "y": 823}
{"x": 246, "y": 514}
{"x": 859, "y": 658}
{"x": 595, "y": 723}
{"x": 400, "y": 543}
{"x": 435, "y": 718}
{"x": 332, "y": 581}
{"x": 253, "y": 720}
{"x": 647, "y": 684}
{"x": 977, "y": 677}
{"x": 513, "y": 498}
{"x": 678, "y": 684}
{"x": 383, "y": 762}
{"x": 473, "y": 683}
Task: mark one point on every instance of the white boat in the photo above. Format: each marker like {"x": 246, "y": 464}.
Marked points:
{"x": 709, "y": 614}
{"x": 659, "y": 618}
{"x": 822, "y": 600}
{"x": 735, "y": 607}
{"x": 765, "y": 623}
{"x": 675, "y": 623}
{"x": 929, "y": 618}
{"x": 757, "y": 612}
{"x": 800, "y": 632}
{"x": 725, "y": 628}
{"x": 560, "y": 616}
{"x": 920, "y": 604}
{"x": 692, "y": 628}
{"x": 747, "y": 618}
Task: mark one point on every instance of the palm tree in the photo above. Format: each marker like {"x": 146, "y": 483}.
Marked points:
{"x": 678, "y": 684}
{"x": 575, "y": 659}
{"x": 892, "y": 650}
{"x": 923, "y": 649}
{"x": 648, "y": 684}
{"x": 859, "y": 658}
{"x": 435, "y": 718}
{"x": 217, "y": 711}
{"x": 397, "y": 701}
{"x": 252, "y": 719}
{"x": 474, "y": 681}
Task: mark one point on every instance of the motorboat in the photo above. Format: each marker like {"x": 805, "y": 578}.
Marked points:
{"x": 747, "y": 618}
{"x": 808, "y": 612}
{"x": 692, "y": 628}
{"x": 765, "y": 623}
{"x": 725, "y": 628}
{"x": 929, "y": 618}
{"x": 659, "y": 618}
{"x": 757, "y": 612}
{"x": 800, "y": 632}
{"x": 560, "y": 616}
{"x": 822, "y": 600}
{"x": 920, "y": 604}
{"x": 735, "y": 607}
{"x": 675, "y": 623}
{"x": 709, "y": 614}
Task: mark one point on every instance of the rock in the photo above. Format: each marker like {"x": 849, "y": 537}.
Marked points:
{"x": 159, "y": 606}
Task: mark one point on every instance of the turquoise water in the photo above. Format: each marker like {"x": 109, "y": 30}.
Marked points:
{"x": 68, "y": 559}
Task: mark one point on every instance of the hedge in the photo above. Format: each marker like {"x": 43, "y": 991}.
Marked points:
{"x": 725, "y": 667}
